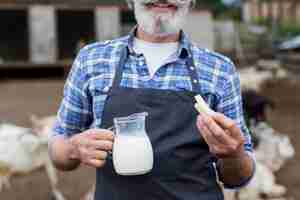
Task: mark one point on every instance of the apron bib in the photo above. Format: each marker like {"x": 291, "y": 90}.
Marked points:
{"x": 183, "y": 168}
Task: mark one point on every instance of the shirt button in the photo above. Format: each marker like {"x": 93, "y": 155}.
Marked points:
{"x": 106, "y": 89}
{"x": 195, "y": 81}
{"x": 192, "y": 68}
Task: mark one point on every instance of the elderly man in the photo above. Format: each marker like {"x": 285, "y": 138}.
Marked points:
{"x": 156, "y": 69}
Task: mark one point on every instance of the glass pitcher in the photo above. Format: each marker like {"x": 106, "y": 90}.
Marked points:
{"x": 132, "y": 149}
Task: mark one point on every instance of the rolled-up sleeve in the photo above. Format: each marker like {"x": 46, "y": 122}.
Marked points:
{"x": 231, "y": 106}
{"x": 75, "y": 112}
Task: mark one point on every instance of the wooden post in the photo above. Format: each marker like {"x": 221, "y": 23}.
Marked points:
{"x": 107, "y": 21}
{"x": 255, "y": 9}
{"x": 287, "y": 11}
{"x": 297, "y": 13}
{"x": 247, "y": 12}
{"x": 42, "y": 34}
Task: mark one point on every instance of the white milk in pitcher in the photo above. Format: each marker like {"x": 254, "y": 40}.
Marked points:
{"x": 132, "y": 155}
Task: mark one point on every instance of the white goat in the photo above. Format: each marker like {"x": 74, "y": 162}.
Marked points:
{"x": 252, "y": 78}
{"x": 22, "y": 152}
{"x": 274, "y": 149}
{"x": 263, "y": 183}
{"x": 43, "y": 126}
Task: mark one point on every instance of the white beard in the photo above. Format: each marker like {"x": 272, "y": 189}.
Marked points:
{"x": 160, "y": 24}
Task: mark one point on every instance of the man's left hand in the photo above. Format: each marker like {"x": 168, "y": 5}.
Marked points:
{"x": 222, "y": 135}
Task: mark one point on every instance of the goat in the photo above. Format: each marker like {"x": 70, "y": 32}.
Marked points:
{"x": 262, "y": 184}
{"x": 253, "y": 78}
{"x": 42, "y": 126}
{"x": 274, "y": 148}
{"x": 22, "y": 152}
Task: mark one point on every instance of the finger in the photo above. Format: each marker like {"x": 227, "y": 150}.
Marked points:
{"x": 223, "y": 121}
{"x": 214, "y": 146}
{"x": 101, "y": 134}
{"x": 228, "y": 124}
{"x": 99, "y": 155}
{"x": 105, "y": 145}
{"x": 217, "y": 132}
{"x": 206, "y": 133}
{"x": 96, "y": 163}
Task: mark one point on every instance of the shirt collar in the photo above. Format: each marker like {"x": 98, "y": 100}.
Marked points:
{"x": 184, "y": 49}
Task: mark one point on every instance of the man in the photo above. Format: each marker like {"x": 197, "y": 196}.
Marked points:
{"x": 155, "y": 69}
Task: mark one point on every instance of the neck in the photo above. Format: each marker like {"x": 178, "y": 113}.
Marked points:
{"x": 157, "y": 38}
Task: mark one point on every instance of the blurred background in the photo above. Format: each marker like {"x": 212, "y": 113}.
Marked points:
{"x": 40, "y": 38}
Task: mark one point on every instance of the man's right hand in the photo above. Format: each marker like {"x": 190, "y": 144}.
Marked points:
{"x": 91, "y": 147}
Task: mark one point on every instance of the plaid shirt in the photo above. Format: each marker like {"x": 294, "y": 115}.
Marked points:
{"x": 93, "y": 71}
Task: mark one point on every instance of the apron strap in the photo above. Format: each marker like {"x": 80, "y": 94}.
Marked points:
{"x": 120, "y": 67}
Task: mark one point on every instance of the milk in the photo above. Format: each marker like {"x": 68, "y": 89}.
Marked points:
{"x": 132, "y": 155}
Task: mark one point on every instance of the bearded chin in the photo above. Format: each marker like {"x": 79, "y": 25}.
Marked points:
{"x": 160, "y": 24}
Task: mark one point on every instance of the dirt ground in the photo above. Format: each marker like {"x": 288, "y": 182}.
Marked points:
{"x": 21, "y": 98}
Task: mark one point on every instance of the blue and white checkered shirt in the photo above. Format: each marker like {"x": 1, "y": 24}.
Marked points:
{"x": 93, "y": 71}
